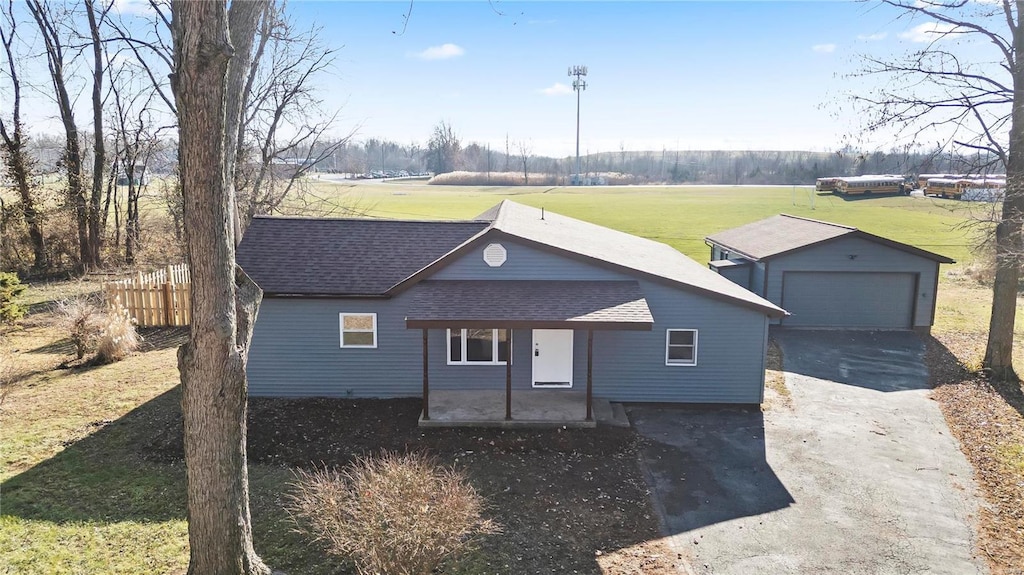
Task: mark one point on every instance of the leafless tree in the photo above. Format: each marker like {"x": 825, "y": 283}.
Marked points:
{"x": 99, "y": 153}
{"x": 976, "y": 106}
{"x": 213, "y": 47}
{"x": 136, "y": 138}
{"x": 55, "y": 42}
{"x": 17, "y": 160}
{"x": 444, "y": 149}
{"x": 523, "y": 152}
{"x": 281, "y": 96}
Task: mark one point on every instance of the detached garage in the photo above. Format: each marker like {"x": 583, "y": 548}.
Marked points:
{"x": 830, "y": 276}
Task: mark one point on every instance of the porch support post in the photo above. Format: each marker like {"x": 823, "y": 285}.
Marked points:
{"x": 426, "y": 380}
{"x": 590, "y": 375}
{"x": 508, "y": 378}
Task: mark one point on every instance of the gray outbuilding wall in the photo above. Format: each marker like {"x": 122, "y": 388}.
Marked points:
{"x": 857, "y": 255}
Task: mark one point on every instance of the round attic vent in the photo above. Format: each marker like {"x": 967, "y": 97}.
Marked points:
{"x": 495, "y": 255}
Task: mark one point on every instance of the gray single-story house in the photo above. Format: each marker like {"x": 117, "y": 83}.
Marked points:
{"x": 830, "y": 276}
{"x": 518, "y": 299}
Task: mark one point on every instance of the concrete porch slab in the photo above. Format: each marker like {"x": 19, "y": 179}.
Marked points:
{"x": 530, "y": 408}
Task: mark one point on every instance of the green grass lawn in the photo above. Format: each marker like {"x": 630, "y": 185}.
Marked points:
{"x": 77, "y": 498}
{"x": 680, "y": 216}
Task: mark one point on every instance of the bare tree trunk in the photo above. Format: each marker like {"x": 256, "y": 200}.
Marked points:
{"x": 72, "y": 158}
{"x": 19, "y": 164}
{"x": 99, "y": 152}
{"x": 999, "y": 348}
{"x": 210, "y": 42}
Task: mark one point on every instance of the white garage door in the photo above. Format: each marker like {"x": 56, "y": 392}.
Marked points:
{"x": 839, "y": 299}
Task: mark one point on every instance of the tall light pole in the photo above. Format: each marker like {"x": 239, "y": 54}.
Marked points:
{"x": 578, "y": 85}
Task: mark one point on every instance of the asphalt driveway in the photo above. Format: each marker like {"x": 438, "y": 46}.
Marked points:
{"x": 860, "y": 475}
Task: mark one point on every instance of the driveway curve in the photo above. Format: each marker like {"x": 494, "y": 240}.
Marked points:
{"x": 859, "y": 476}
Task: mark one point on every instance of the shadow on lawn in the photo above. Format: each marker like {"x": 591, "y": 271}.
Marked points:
{"x": 558, "y": 494}
{"x": 99, "y": 478}
{"x": 707, "y": 465}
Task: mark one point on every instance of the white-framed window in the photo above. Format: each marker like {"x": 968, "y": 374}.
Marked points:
{"x": 680, "y": 347}
{"x": 479, "y": 346}
{"x": 358, "y": 329}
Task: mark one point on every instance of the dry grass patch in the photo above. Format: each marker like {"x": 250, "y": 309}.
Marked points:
{"x": 776, "y": 392}
{"x": 986, "y": 418}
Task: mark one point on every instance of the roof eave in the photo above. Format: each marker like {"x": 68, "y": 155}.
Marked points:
{"x": 528, "y": 324}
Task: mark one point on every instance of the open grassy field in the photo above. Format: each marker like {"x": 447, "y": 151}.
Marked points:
{"x": 84, "y": 489}
{"x": 680, "y": 216}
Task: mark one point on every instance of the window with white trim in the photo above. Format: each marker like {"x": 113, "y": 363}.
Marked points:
{"x": 358, "y": 329}
{"x": 478, "y": 346}
{"x": 680, "y": 347}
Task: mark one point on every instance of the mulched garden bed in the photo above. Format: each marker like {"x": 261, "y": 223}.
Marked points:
{"x": 568, "y": 500}
{"x": 987, "y": 418}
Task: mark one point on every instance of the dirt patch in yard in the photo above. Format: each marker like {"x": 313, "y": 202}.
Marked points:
{"x": 986, "y": 418}
{"x": 568, "y": 500}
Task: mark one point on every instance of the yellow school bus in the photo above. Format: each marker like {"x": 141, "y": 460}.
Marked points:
{"x": 955, "y": 187}
{"x": 872, "y": 185}
{"x": 922, "y": 180}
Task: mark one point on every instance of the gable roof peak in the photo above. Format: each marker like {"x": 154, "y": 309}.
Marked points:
{"x": 822, "y": 222}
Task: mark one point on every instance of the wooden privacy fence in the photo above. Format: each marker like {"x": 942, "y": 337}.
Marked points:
{"x": 158, "y": 298}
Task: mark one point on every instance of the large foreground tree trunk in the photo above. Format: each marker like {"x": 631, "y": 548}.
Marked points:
{"x": 1009, "y": 248}
{"x": 212, "y": 363}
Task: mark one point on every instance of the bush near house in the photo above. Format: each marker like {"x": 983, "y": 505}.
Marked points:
{"x": 395, "y": 514}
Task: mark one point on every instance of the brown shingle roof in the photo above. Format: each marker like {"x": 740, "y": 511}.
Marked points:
{"x": 381, "y": 257}
{"x": 529, "y": 303}
{"x": 777, "y": 234}
{"x": 784, "y": 233}
{"x": 305, "y": 256}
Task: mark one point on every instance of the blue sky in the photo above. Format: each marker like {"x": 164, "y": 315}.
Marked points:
{"x": 713, "y": 75}
{"x": 687, "y": 75}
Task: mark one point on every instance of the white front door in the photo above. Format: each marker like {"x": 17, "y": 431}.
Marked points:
{"x": 552, "y": 358}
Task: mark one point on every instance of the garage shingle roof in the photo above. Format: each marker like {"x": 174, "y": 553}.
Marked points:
{"x": 784, "y": 233}
{"x": 532, "y": 303}
{"x": 306, "y": 256}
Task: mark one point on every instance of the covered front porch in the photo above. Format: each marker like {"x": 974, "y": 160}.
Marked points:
{"x": 551, "y": 313}
{"x": 533, "y": 408}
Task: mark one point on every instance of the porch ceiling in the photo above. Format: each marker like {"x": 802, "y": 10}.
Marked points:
{"x": 554, "y": 304}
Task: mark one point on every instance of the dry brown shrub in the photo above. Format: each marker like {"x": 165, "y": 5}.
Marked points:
{"x": 393, "y": 514}
{"x": 495, "y": 179}
{"x": 117, "y": 336}
{"x": 82, "y": 319}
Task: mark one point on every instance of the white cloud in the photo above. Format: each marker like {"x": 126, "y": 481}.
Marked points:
{"x": 133, "y": 7}
{"x": 824, "y": 48}
{"x": 556, "y": 89}
{"x": 927, "y": 32}
{"x": 873, "y": 37}
{"x": 442, "y": 52}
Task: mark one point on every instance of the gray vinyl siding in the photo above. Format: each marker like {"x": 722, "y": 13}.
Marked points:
{"x": 296, "y": 353}
{"x": 757, "y": 272}
{"x": 739, "y": 275}
{"x": 834, "y": 256}
{"x": 523, "y": 262}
